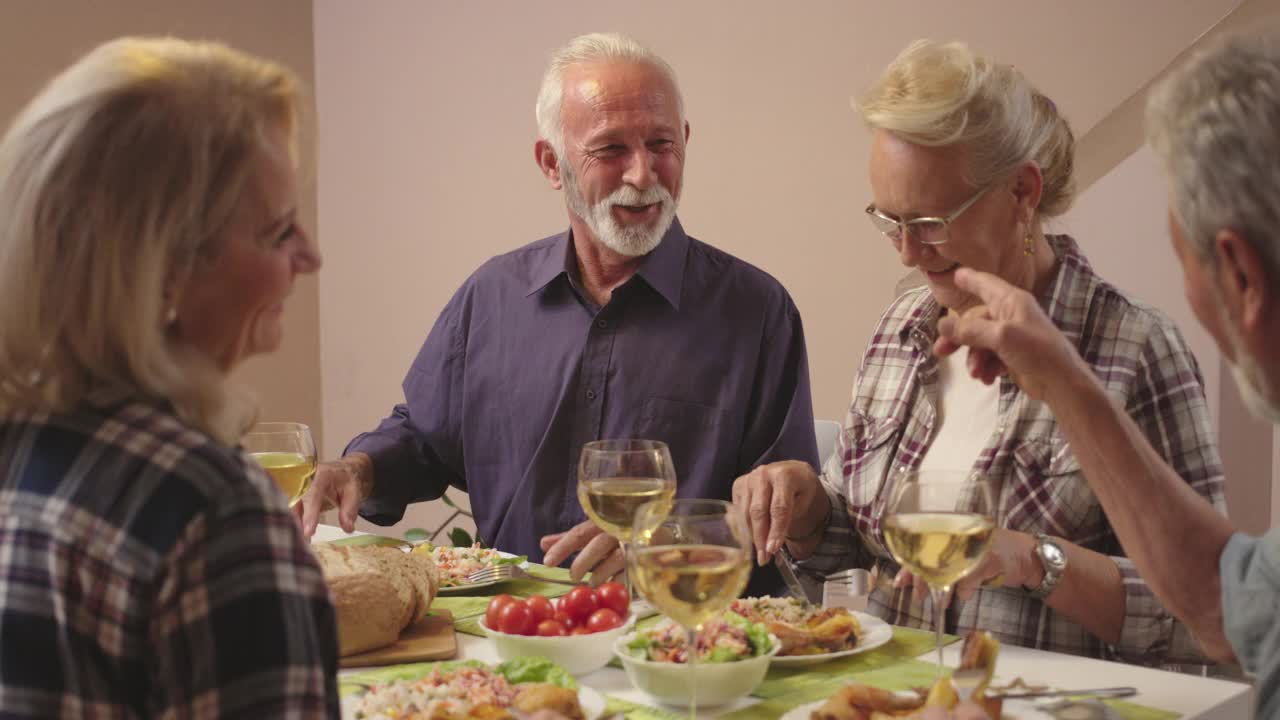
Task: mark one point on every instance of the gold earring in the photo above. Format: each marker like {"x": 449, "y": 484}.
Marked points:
{"x": 1030, "y": 249}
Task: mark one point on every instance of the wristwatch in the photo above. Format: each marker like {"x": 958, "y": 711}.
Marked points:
{"x": 1054, "y": 560}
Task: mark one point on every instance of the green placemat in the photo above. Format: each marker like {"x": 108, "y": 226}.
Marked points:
{"x": 822, "y": 680}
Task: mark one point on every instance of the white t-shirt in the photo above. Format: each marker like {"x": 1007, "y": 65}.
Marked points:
{"x": 967, "y": 412}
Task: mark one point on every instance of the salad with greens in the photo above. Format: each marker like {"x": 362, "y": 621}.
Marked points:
{"x": 449, "y": 689}
{"x": 727, "y": 639}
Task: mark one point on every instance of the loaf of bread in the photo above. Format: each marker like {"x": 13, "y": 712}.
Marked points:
{"x": 377, "y": 592}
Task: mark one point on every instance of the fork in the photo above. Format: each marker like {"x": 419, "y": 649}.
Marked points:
{"x": 498, "y": 573}
{"x": 967, "y": 680}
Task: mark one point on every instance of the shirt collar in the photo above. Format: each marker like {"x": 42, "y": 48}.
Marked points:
{"x": 662, "y": 269}
{"x": 1064, "y": 300}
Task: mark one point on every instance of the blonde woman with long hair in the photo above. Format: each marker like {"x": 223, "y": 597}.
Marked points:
{"x": 148, "y": 239}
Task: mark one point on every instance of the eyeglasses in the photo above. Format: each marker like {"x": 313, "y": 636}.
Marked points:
{"x": 925, "y": 230}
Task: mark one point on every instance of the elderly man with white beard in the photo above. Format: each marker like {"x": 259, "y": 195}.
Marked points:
{"x": 621, "y": 327}
{"x": 1215, "y": 122}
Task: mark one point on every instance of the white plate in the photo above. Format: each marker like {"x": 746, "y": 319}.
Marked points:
{"x": 474, "y": 586}
{"x": 875, "y": 632}
{"x": 593, "y": 703}
{"x": 1011, "y": 710}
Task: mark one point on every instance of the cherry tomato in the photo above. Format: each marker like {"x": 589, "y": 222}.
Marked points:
{"x": 580, "y": 630}
{"x": 492, "y": 613}
{"x": 614, "y": 596}
{"x": 580, "y": 603}
{"x": 541, "y": 608}
{"x": 515, "y": 619}
{"x": 603, "y": 619}
{"x": 552, "y": 628}
{"x": 563, "y": 618}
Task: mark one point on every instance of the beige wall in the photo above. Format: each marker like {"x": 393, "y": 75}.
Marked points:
{"x": 1128, "y": 193}
{"x": 427, "y": 130}
{"x": 41, "y": 38}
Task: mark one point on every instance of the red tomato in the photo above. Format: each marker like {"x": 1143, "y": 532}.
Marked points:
{"x": 614, "y": 596}
{"x": 541, "y": 608}
{"x": 563, "y": 618}
{"x": 494, "y": 610}
{"x": 603, "y": 619}
{"x": 580, "y": 630}
{"x": 515, "y": 619}
{"x": 580, "y": 603}
{"x": 552, "y": 628}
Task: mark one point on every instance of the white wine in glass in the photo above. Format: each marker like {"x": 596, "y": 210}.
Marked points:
{"x": 939, "y": 526}
{"x": 691, "y": 560}
{"x": 288, "y": 454}
{"x": 616, "y": 477}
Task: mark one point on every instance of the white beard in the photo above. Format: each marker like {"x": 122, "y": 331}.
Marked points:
{"x": 1255, "y": 388}
{"x": 628, "y": 241}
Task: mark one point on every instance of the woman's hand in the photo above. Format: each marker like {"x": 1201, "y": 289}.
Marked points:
{"x": 1011, "y": 562}
{"x": 779, "y": 499}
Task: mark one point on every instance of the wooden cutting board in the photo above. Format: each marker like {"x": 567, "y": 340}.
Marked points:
{"x": 432, "y": 638}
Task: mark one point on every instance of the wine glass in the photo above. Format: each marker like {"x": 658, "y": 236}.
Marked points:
{"x": 287, "y": 452}
{"x": 939, "y": 526}
{"x": 691, "y": 560}
{"x": 616, "y": 477}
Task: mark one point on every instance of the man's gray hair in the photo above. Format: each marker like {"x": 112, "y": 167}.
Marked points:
{"x": 1215, "y": 123}
{"x": 591, "y": 48}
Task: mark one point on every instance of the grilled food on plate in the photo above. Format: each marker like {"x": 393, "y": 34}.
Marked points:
{"x": 802, "y": 628}
{"x": 862, "y": 702}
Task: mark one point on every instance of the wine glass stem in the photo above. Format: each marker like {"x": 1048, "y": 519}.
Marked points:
{"x": 692, "y": 638}
{"x": 938, "y": 617}
{"x": 626, "y": 572}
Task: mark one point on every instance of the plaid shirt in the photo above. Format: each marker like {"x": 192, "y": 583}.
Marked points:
{"x": 147, "y": 571}
{"x": 1143, "y": 362}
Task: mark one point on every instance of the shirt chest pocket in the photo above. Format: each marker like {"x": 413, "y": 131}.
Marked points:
{"x": 678, "y": 414}
{"x": 873, "y": 443}
{"x": 1048, "y": 492}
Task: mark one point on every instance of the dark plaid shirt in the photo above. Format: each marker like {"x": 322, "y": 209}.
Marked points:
{"x": 1143, "y": 362}
{"x": 147, "y": 571}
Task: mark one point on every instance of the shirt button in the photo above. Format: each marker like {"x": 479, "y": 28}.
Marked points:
{"x": 591, "y": 394}
{"x": 602, "y": 324}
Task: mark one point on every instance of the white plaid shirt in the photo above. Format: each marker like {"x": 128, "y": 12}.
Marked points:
{"x": 1141, "y": 359}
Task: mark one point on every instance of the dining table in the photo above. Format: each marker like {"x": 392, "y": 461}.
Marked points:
{"x": 1161, "y": 694}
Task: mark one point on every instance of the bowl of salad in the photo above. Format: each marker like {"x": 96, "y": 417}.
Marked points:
{"x": 733, "y": 657}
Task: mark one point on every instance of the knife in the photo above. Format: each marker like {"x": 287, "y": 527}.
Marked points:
{"x": 782, "y": 560}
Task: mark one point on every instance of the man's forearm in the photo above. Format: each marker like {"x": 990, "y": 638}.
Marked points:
{"x": 1173, "y": 535}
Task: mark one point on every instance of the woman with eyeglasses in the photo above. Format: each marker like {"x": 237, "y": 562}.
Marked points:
{"x": 968, "y": 161}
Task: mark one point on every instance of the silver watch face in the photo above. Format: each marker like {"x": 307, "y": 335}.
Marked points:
{"x": 1053, "y": 555}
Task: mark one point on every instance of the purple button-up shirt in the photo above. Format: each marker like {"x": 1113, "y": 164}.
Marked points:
{"x": 698, "y": 349}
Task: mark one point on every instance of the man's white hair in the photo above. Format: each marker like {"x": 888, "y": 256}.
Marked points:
{"x": 1215, "y": 123}
{"x": 590, "y": 48}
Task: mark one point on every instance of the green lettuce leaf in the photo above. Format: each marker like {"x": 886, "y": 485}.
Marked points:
{"x": 536, "y": 670}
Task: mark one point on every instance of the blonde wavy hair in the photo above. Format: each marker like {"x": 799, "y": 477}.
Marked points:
{"x": 114, "y": 181}
{"x": 939, "y": 95}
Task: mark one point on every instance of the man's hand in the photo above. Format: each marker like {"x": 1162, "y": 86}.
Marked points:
{"x": 342, "y": 483}
{"x": 778, "y": 499}
{"x": 1008, "y": 333}
{"x": 601, "y": 555}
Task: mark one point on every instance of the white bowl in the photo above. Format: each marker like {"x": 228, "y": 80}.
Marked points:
{"x": 718, "y": 683}
{"x": 579, "y": 654}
